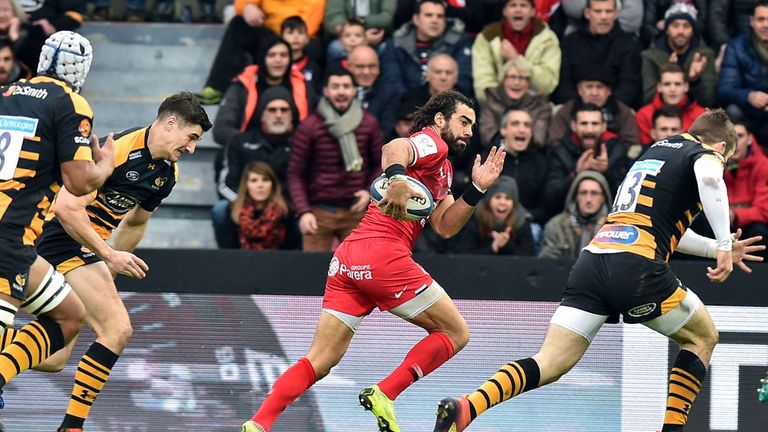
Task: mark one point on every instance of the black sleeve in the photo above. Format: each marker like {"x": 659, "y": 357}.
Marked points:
{"x": 522, "y": 244}
{"x": 718, "y": 22}
{"x": 230, "y": 115}
{"x": 73, "y": 123}
{"x": 566, "y": 89}
{"x": 558, "y": 181}
{"x": 629, "y": 87}
{"x": 617, "y": 165}
{"x": 650, "y": 17}
{"x": 234, "y": 164}
{"x": 70, "y": 15}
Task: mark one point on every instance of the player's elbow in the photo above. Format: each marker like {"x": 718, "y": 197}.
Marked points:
{"x": 443, "y": 232}
{"x": 62, "y": 211}
{"x": 78, "y": 188}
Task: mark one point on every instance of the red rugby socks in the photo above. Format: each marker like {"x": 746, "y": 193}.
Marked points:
{"x": 289, "y": 386}
{"x": 423, "y": 358}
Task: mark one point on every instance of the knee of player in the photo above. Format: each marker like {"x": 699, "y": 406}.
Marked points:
{"x": 711, "y": 338}
{"x": 123, "y": 333}
{"x": 459, "y": 336}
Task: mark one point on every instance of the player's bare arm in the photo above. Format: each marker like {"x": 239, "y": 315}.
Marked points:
{"x": 131, "y": 229}
{"x": 397, "y": 152}
{"x": 84, "y": 177}
{"x": 129, "y": 233}
{"x": 72, "y": 214}
{"x": 451, "y": 215}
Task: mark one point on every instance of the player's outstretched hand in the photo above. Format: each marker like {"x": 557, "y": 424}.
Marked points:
{"x": 128, "y": 264}
{"x": 395, "y": 199}
{"x": 724, "y": 267}
{"x": 485, "y": 175}
{"x": 743, "y": 250}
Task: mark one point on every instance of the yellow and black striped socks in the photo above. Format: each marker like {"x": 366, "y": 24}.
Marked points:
{"x": 685, "y": 381}
{"x": 7, "y": 337}
{"x": 92, "y": 373}
{"x": 32, "y": 344}
{"x": 511, "y": 380}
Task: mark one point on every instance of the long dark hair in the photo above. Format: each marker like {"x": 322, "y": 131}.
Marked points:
{"x": 443, "y": 102}
{"x": 486, "y": 221}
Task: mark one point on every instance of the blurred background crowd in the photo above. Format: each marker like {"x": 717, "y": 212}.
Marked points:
{"x": 573, "y": 91}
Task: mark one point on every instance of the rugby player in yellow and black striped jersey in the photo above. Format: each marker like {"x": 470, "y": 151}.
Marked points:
{"x": 45, "y": 140}
{"x": 75, "y": 239}
{"x": 625, "y": 271}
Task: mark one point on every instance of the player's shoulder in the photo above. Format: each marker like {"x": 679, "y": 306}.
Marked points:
{"x": 426, "y": 143}
{"x": 128, "y": 144}
{"x": 56, "y": 91}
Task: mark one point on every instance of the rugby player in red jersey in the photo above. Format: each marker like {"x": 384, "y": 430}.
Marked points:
{"x": 374, "y": 267}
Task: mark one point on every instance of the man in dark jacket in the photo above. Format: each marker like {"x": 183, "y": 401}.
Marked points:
{"x": 601, "y": 44}
{"x": 407, "y": 53}
{"x": 595, "y": 86}
{"x": 589, "y": 147}
{"x": 526, "y": 161}
{"x": 336, "y": 155}
{"x": 681, "y": 44}
{"x": 374, "y": 94}
{"x": 743, "y": 87}
{"x": 269, "y": 143}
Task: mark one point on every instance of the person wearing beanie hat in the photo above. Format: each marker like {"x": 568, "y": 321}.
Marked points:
{"x": 269, "y": 142}
{"x": 681, "y": 44}
{"x": 680, "y": 9}
{"x": 500, "y": 225}
{"x": 654, "y": 14}
{"x": 595, "y": 86}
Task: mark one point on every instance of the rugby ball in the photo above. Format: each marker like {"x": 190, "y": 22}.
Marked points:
{"x": 417, "y": 208}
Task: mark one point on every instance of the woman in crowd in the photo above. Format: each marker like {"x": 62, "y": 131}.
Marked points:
{"x": 514, "y": 90}
{"x": 259, "y": 217}
{"x": 500, "y": 225}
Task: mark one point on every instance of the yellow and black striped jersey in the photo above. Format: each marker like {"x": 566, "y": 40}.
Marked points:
{"x": 138, "y": 179}
{"x": 43, "y": 123}
{"x": 657, "y": 201}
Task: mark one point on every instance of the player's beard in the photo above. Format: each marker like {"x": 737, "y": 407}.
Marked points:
{"x": 455, "y": 147}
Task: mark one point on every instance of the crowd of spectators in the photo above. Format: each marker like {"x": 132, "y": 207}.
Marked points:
{"x": 573, "y": 91}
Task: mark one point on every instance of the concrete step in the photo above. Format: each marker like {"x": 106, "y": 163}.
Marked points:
{"x": 174, "y": 233}
{"x": 196, "y": 185}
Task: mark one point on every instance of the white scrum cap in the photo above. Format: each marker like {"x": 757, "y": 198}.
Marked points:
{"x": 66, "y": 55}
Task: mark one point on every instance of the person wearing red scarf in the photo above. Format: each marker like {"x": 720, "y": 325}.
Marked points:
{"x": 518, "y": 35}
